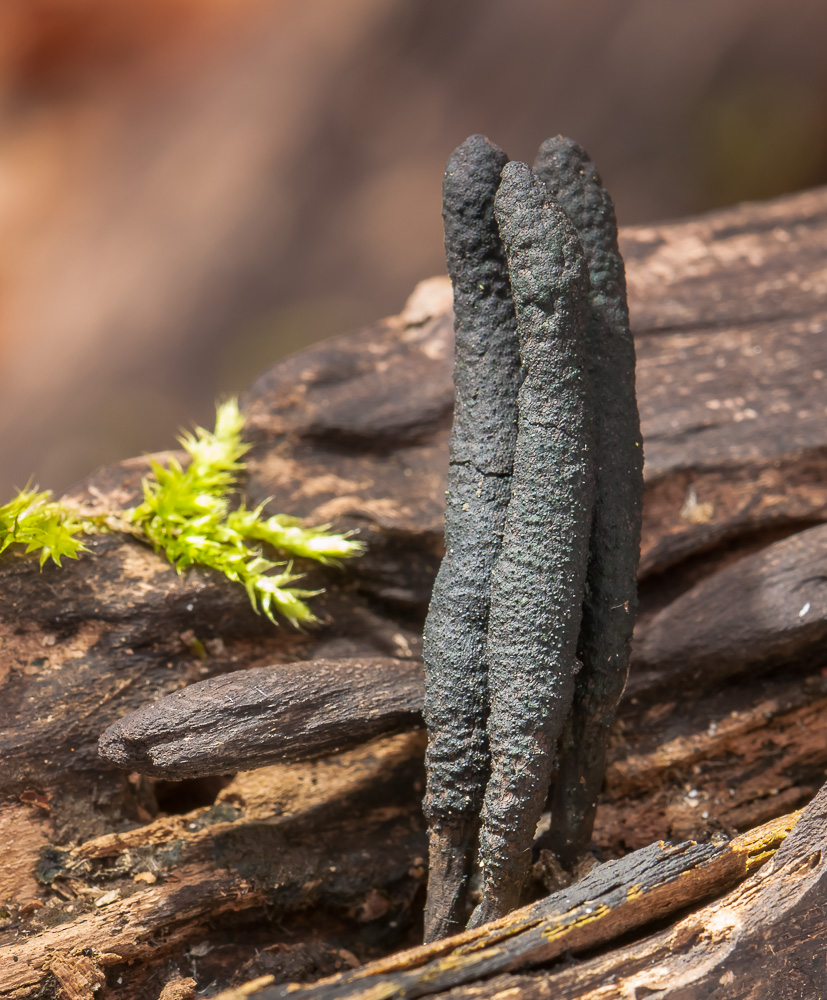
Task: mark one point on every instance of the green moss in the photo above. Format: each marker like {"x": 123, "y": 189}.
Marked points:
{"x": 187, "y": 514}
{"x": 37, "y": 523}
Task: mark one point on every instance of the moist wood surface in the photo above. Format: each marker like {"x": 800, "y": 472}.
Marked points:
{"x": 729, "y": 313}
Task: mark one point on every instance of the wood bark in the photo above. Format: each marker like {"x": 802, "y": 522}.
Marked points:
{"x": 117, "y": 884}
{"x": 611, "y": 900}
{"x": 267, "y": 715}
{"x": 764, "y": 937}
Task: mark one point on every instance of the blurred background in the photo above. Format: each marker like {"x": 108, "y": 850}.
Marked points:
{"x": 191, "y": 189}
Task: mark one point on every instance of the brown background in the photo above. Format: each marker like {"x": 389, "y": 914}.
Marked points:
{"x": 190, "y": 189}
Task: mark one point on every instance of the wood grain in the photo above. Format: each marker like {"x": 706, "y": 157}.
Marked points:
{"x": 267, "y": 715}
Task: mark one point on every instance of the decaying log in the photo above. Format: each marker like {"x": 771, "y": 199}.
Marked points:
{"x": 764, "y": 610}
{"x": 767, "y": 609}
{"x": 611, "y": 900}
{"x": 734, "y": 437}
{"x": 764, "y": 938}
{"x": 276, "y": 842}
{"x": 770, "y": 926}
{"x": 721, "y": 727}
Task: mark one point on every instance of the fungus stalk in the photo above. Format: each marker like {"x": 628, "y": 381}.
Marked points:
{"x": 611, "y": 593}
{"x": 486, "y": 376}
{"x": 538, "y": 583}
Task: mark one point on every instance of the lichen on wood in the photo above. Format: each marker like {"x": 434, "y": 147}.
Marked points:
{"x": 658, "y": 881}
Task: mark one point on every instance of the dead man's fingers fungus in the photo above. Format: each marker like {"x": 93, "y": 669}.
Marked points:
{"x": 538, "y": 583}
{"x": 486, "y": 376}
{"x": 611, "y": 594}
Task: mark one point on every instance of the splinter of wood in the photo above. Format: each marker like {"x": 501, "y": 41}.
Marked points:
{"x": 611, "y": 593}
{"x": 538, "y": 584}
{"x": 486, "y": 377}
{"x": 267, "y": 715}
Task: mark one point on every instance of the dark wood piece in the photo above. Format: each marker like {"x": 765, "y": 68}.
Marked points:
{"x": 766, "y": 933}
{"x": 267, "y": 715}
{"x": 762, "y": 611}
{"x": 765, "y": 937}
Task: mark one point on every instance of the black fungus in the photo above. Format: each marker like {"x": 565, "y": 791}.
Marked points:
{"x": 538, "y": 583}
{"x": 487, "y": 377}
{"x": 611, "y": 597}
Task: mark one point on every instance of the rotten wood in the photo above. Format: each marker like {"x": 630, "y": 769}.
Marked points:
{"x": 81, "y": 976}
{"x": 356, "y": 431}
{"x": 613, "y": 899}
{"x": 734, "y": 437}
{"x": 767, "y": 609}
{"x": 267, "y": 715}
{"x": 764, "y": 938}
{"x": 275, "y": 842}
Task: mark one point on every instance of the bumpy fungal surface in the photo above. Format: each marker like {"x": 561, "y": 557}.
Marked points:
{"x": 611, "y": 595}
{"x": 487, "y": 378}
{"x": 539, "y": 580}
